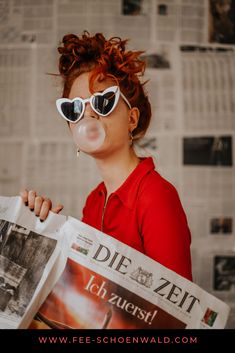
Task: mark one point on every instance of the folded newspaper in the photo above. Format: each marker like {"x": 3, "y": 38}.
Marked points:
{"x": 62, "y": 273}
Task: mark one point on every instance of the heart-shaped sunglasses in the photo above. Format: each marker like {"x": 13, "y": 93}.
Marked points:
{"x": 103, "y": 103}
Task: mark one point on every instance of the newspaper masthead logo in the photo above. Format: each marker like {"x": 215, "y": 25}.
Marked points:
{"x": 166, "y": 289}
{"x": 142, "y": 277}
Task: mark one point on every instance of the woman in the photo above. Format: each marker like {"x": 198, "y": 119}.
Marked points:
{"x": 134, "y": 203}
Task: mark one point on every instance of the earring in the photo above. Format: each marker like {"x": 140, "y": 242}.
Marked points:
{"x": 78, "y": 153}
{"x": 130, "y": 138}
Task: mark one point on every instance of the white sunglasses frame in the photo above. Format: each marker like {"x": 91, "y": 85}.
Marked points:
{"x": 114, "y": 89}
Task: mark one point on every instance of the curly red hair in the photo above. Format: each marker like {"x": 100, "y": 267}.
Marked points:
{"x": 106, "y": 58}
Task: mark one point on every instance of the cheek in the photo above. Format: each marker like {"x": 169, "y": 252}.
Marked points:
{"x": 117, "y": 124}
{"x": 115, "y": 128}
{"x": 116, "y": 133}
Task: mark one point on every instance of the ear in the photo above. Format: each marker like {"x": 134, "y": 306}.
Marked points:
{"x": 134, "y": 115}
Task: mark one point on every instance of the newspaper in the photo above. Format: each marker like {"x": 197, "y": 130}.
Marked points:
{"x": 73, "y": 276}
{"x": 30, "y": 252}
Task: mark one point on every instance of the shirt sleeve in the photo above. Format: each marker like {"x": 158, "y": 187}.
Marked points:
{"x": 86, "y": 211}
{"x": 164, "y": 229}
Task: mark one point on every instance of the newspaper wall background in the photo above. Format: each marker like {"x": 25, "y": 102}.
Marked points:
{"x": 190, "y": 53}
{"x": 93, "y": 280}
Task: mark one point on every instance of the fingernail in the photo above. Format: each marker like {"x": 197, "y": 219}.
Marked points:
{"x": 26, "y": 203}
{"x": 36, "y": 215}
{"x": 41, "y": 220}
{"x": 31, "y": 209}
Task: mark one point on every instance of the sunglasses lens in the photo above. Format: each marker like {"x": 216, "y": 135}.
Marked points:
{"x": 72, "y": 110}
{"x": 103, "y": 104}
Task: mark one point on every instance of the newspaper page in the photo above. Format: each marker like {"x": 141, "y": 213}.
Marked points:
{"x": 207, "y": 176}
{"x": 107, "y": 284}
{"x": 29, "y": 260}
{"x": 27, "y": 21}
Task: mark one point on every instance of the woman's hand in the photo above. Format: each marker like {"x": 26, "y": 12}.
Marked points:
{"x": 38, "y": 204}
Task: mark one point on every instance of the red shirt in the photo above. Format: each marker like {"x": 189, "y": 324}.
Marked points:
{"x": 146, "y": 214}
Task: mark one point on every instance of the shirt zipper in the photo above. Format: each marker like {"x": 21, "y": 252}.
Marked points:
{"x": 102, "y": 220}
{"x": 103, "y": 212}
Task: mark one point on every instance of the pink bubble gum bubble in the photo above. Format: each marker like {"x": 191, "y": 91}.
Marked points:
{"x": 89, "y": 134}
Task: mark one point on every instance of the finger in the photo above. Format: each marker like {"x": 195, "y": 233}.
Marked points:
{"x": 57, "y": 209}
{"x": 31, "y": 199}
{"x": 46, "y": 206}
{"x": 24, "y": 196}
{"x": 38, "y": 205}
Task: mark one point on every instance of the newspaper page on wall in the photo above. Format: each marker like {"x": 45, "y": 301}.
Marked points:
{"x": 93, "y": 280}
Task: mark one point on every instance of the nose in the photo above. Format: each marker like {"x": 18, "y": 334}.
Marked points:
{"x": 89, "y": 112}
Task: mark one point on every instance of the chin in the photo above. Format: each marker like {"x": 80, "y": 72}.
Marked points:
{"x": 95, "y": 154}
{"x": 99, "y": 154}
{"x": 103, "y": 152}
{"x": 108, "y": 150}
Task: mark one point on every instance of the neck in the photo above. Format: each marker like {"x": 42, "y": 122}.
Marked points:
{"x": 115, "y": 169}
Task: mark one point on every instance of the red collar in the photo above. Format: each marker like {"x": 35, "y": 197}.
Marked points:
{"x": 127, "y": 192}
